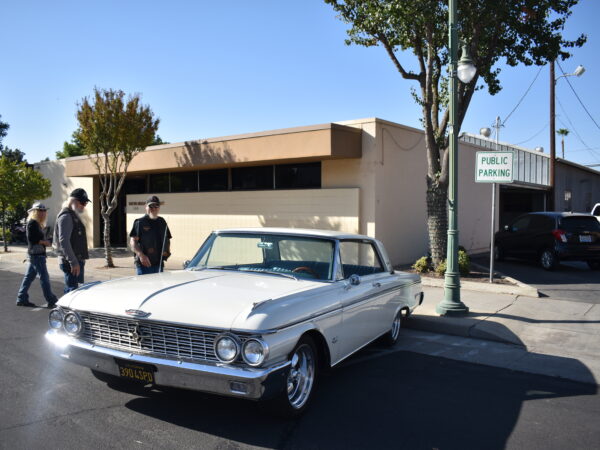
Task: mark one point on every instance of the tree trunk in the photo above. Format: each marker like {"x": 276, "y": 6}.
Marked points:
{"x": 4, "y": 230}
{"x": 107, "y": 248}
{"x": 437, "y": 220}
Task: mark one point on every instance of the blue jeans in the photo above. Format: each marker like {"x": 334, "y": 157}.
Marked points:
{"x": 71, "y": 281}
{"x": 36, "y": 266}
{"x": 141, "y": 270}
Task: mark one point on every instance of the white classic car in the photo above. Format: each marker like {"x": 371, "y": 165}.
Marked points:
{"x": 257, "y": 313}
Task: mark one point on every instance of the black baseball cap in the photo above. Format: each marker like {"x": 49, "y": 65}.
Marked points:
{"x": 80, "y": 195}
{"x": 153, "y": 200}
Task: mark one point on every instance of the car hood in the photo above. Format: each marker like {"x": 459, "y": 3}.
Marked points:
{"x": 208, "y": 298}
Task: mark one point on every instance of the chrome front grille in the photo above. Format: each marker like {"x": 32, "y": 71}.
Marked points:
{"x": 149, "y": 337}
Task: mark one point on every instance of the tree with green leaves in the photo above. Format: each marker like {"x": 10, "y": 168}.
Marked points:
{"x": 19, "y": 184}
{"x": 515, "y": 32}
{"x": 563, "y": 132}
{"x": 73, "y": 148}
{"x": 3, "y": 130}
{"x": 113, "y": 130}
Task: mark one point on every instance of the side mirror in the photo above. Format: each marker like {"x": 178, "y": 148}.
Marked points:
{"x": 186, "y": 263}
{"x": 354, "y": 280}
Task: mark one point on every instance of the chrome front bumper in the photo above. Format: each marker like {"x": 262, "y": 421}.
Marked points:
{"x": 251, "y": 383}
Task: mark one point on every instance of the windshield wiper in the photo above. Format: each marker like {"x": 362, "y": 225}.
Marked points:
{"x": 272, "y": 272}
{"x": 214, "y": 267}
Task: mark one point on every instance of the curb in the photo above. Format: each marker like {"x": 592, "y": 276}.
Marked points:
{"x": 517, "y": 289}
{"x": 448, "y": 326}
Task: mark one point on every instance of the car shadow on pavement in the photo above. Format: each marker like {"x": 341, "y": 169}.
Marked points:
{"x": 396, "y": 400}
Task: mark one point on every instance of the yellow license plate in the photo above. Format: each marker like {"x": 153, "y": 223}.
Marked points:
{"x": 136, "y": 372}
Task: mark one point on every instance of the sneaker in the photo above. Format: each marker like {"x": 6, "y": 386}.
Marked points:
{"x": 27, "y": 303}
{"x": 51, "y": 305}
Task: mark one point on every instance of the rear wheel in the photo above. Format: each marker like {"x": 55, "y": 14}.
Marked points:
{"x": 594, "y": 265}
{"x": 391, "y": 337}
{"x": 548, "y": 259}
{"x": 301, "y": 380}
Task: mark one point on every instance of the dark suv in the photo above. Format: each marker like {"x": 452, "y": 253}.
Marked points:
{"x": 550, "y": 237}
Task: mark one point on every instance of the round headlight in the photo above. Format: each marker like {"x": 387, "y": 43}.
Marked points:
{"x": 254, "y": 352}
{"x": 56, "y": 319}
{"x": 226, "y": 348}
{"x": 72, "y": 323}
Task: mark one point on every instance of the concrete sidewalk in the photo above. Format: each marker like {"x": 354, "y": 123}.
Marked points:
{"x": 537, "y": 326}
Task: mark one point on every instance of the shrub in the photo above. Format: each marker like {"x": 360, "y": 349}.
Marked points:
{"x": 464, "y": 263}
{"x": 422, "y": 265}
{"x": 441, "y": 268}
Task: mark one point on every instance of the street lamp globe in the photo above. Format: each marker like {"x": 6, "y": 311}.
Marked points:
{"x": 579, "y": 70}
{"x": 466, "y": 70}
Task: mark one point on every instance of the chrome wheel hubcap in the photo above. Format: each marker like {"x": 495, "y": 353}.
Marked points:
{"x": 396, "y": 326}
{"x": 301, "y": 377}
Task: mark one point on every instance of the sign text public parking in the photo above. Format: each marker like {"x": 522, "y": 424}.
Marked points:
{"x": 494, "y": 167}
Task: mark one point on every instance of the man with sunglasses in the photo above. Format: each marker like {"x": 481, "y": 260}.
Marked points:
{"x": 150, "y": 239}
{"x": 71, "y": 240}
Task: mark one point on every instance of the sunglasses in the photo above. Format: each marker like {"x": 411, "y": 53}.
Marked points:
{"x": 153, "y": 206}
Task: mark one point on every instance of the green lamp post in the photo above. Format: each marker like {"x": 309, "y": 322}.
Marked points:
{"x": 451, "y": 304}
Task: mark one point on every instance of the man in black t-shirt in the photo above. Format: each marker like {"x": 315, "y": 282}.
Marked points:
{"x": 150, "y": 239}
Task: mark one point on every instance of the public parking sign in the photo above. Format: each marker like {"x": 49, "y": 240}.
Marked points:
{"x": 494, "y": 167}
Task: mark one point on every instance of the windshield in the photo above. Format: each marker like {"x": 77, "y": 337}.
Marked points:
{"x": 276, "y": 254}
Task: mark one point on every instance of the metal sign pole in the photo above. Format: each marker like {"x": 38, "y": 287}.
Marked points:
{"x": 493, "y": 221}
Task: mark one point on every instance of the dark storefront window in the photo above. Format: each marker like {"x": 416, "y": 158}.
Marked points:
{"x": 159, "y": 182}
{"x": 184, "y": 181}
{"x": 252, "y": 177}
{"x": 135, "y": 185}
{"x": 298, "y": 176}
{"x": 213, "y": 180}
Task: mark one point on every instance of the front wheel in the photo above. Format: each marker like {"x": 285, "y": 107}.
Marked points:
{"x": 498, "y": 253}
{"x": 301, "y": 380}
{"x": 548, "y": 259}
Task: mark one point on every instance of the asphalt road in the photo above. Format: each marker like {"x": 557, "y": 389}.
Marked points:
{"x": 378, "y": 399}
{"x": 573, "y": 281}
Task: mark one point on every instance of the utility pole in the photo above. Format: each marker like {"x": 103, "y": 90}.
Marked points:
{"x": 550, "y": 202}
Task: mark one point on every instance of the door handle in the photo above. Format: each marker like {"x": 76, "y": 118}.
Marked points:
{"x": 376, "y": 284}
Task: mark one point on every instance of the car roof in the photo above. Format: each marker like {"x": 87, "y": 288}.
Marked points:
{"x": 561, "y": 214}
{"x": 331, "y": 234}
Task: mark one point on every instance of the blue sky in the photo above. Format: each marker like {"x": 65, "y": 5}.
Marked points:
{"x": 212, "y": 69}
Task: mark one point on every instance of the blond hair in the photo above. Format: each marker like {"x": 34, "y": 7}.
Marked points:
{"x": 35, "y": 214}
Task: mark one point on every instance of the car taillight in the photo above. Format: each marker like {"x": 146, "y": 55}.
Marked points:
{"x": 560, "y": 235}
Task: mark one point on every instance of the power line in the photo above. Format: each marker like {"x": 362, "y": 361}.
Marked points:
{"x": 535, "y": 135}
{"x": 580, "y": 102}
{"x": 524, "y": 95}
{"x": 592, "y": 152}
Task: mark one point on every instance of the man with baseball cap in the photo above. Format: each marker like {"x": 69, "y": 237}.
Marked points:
{"x": 71, "y": 240}
{"x": 150, "y": 239}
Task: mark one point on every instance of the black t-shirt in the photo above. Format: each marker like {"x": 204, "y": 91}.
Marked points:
{"x": 34, "y": 236}
{"x": 153, "y": 237}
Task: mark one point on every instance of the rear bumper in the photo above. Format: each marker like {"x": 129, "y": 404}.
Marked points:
{"x": 578, "y": 253}
{"x": 251, "y": 383}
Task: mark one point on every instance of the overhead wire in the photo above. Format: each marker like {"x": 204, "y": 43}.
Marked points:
{"x": 523, "y": 96}
{"x": 534, "y": 136}
{"x": 574, "y": 92}
{"x": 592, "y": 152}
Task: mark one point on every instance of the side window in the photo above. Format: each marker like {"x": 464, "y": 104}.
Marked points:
{"x": 541, "y": 223}
{"x": 359, "y": 258}
{"x": 521, "y": 224}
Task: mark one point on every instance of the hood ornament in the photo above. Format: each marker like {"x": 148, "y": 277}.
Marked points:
{"x": 137, "y": 313}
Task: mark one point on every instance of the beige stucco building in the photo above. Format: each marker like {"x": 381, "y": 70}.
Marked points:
{"x": 363, "y": 176}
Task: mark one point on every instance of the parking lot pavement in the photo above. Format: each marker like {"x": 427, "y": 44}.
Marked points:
{"x": 380, "y": 398}
{"x": 573, "y": 281}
